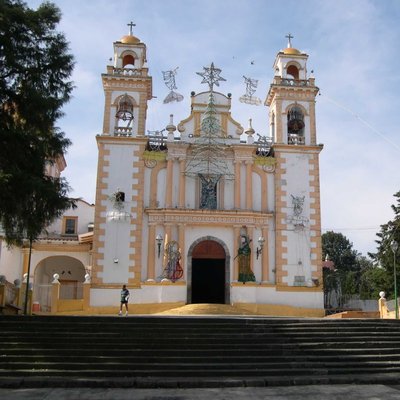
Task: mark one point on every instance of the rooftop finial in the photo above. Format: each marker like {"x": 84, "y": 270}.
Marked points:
{"x": 131, "y": 25}
{"x": 289, "y": 36}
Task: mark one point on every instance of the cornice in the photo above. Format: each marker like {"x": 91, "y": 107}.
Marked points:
{"x": 207, "y": 217}
{"x": 290, "y": 148}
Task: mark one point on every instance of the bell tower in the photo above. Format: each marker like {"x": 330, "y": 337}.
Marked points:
{"x": 127, "y": 88}
{"x": 291, "y": 102}
{"x": 120, "y": 172}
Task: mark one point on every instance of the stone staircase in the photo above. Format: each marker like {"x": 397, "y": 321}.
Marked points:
{"x": 196, "y": 351}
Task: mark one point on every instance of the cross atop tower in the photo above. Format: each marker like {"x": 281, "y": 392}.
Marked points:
{"x": 131, "y": 25}
{"x": 289, "y": 36}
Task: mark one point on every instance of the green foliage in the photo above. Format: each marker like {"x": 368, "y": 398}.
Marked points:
{"x": 34, "y": 69}
{"x": 353, "y": 274}
{"x": 374, "y": 280}
{"x": 390, "y": 232}
{"x": 385, "y": 256}
{"x": 340, "y": 251}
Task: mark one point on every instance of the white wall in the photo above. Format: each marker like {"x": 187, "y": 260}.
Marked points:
{"x": 84, "y": 212}
{"x": 268, "y": 295}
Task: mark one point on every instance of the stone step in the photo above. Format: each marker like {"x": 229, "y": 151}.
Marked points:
{"x": 239, "y": 359}
{"x": 81, "y": 350}
{"x": 178, "y": 372}
{"x": 123, "y": 351}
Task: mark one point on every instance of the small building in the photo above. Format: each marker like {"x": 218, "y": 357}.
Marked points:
{"x": 62, "y": 249}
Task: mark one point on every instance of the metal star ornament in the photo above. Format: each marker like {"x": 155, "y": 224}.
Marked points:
{"x": 211, "y": 75}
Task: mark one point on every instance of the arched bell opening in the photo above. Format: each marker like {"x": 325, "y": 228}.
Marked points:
{"x": 295, "y": 125}
{"x": 124, "y": 115}
{"x": 128, "y": 61}
{"x": 292, "y": 72}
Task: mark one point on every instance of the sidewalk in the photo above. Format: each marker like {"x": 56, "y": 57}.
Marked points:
{"x": 315, "y": 392}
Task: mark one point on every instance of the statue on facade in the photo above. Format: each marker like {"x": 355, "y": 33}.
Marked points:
{"x": 208, "y": 198}
{"x": 244, "y": 256}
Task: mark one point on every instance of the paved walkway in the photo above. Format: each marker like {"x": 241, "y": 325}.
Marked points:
{"x": 315, "y": 392}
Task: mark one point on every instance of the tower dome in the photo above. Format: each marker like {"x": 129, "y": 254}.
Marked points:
{"x": 129, "y": 39}
{"x": 291, "y": 51}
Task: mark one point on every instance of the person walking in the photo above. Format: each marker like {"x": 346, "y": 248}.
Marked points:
{"x": 124, "y": 300}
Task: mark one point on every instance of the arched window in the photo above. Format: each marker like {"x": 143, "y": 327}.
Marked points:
{"x": 292, "y": 72}
{"x": 128, "y": 61}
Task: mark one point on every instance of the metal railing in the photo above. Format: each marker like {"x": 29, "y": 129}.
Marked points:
{"x": 296, "y": 139}
{"x": 293, "y": 82}
{"x": 127, "y": 71}
{"x": 122, "y": 131}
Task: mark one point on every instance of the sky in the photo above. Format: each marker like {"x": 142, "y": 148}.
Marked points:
{"x": 353, "y": 48}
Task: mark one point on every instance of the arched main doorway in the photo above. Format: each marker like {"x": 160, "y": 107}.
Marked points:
{"x": 208, "y": 272}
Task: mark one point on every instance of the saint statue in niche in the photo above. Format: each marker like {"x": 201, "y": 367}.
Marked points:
{"x": 244, "y": 255}
{"x": 208, "y": 198}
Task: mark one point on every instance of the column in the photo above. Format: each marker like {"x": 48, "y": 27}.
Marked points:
{"x": 237, "y": 184}
{"x": 250, "y": 232}
{"x": 236, "y": 234}
{"x": 168, "y": 189}
{"x": 249, "y": 186}
{"x": 168, "y": 233}
{"x": 182, "y": 183}
{"x": 55, "y": 295}
{"x": 265, "y": 256}
{"x": 313, "y": 133}
{"x": 151, "y": 248}
{"x": 181, "y": 233}
{"x": 278, "y": 127}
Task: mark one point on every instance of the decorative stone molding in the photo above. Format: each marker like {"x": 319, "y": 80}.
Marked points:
{"x": 162, "y": 216}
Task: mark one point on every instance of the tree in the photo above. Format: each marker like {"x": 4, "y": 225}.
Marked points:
{"x": 34, "y": 70}
{"x": 389, "y": 233}
{"x": 340, "y": 251}
{"x": 373, "y": 280}
{"x": 341, "y": 275}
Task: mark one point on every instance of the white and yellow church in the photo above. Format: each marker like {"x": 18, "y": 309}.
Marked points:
{"x": 204, "y": 212}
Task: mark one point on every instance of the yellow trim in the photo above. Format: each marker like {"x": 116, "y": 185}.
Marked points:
{"x": 281, "y": 310}
{"x": 283, "y": 288}
{"x": 62, "y": 247}
{"x": 154, "y": 155}
{"x": 269, "y": 161}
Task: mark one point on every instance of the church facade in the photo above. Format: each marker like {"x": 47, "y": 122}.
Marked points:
{"x": 207, "y": 212}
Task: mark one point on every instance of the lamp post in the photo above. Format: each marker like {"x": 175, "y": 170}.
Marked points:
{"x": 159, "y": 240}
{"x": 394, "y": 246}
